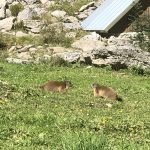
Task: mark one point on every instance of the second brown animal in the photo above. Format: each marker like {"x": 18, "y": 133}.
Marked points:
{"x": 56, "y": 86}
{"x": 105, "y": 92}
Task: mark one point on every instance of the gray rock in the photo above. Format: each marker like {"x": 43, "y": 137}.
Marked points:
{"x": 24, "y": 56}
{"x": 70, "y": 19}
{"x": 2, "y": 13}
{"x": 87, "y": 45}
{"x": 44, "y": 1}
{"x": 86, "y": 6}
{"x": 82, "y": 16}
{"x": 93, "y": 36}
{"x": 17, "y": 61}
{"x": 7, "y": 23}
{"x": 31, "y": 1}
{"x": 10, "y": 1}
{"x": 3, "y": 3}
{"x": 70, "y": 56}
{"x": 25, "y": 48}
{"x": 33, "y": 25}
{"x": 58, "y": 13}
{"x": 72, "y": 26}
{"x": 21, "y": 34}
{"x": 26, "y": 14}
{"x": 8, "y": 13}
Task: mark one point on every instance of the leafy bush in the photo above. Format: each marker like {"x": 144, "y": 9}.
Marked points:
{"x": 19, "y": 26}
{"x": 6, "y": 40}
{"x": 15, "y": 9}
{"x": 52, "y": 36}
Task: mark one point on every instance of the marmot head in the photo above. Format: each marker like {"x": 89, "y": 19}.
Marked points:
{"x": 68, "y": 84}
{"x": 95, "y": 85}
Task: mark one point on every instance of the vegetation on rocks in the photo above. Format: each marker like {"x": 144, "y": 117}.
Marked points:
{"x": 15, "y": 9}
{"x": 68, "y": 7}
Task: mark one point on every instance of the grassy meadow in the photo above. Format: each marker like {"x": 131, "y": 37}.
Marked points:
{"x": 31, "y": 119}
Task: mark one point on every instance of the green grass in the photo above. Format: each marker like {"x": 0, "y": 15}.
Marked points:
{"x": 34, "y": 119}
{"x": 69, "y": 8}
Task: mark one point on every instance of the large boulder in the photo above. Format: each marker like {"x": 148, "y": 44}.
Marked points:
{"x": 71, "y": 57}
{"x": 118, "y": 57}
{"x": 26, "y": 14}
{"x": 2, "y": 13}
{"x": 3, "y": 3}
{"x": 7, "y": 23}
{"x": 89, "y": 42}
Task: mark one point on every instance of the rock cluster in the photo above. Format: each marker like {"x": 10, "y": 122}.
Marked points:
{"x": 117, "y": 52}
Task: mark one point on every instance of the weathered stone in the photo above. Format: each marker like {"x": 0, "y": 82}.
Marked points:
{"x": 26, "y": 14}
{"x": 24, "y": 56}
{"x": 87, "y": 45}
{"x": 82, "y": 16}
{"x": 21, "y": 34}
{"x": 25, "y": 49}
{"x": 11, "y": 49}
{"x": 33, "y": 25}
{"x": 2, "y": 13}
{"x": 72, "y": 26}
{"x": 86, "y": 6}
{"x": 38, "y": 10}
{"x": 70, "y": 19}
{"x": 31, "y": 1}
{"x": 69, "y": 56}
{"x": 33, "y": 50}
{"x": 58, "y": 13}
{"x": 17, "y": 61}
{"x": 10, "y": 1}
{"x": 7, "y": 23}
{"x": 8, "y": 13}
{"x": 3, "y": 3}
{"x": 93, "y": 36}
{"x": 44, "y": 1}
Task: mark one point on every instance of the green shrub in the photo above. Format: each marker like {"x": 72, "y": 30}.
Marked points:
{"x": 15, "y": 9}
{"x": 52, "y": 36}
{"x": 19, "y": 26}
{"x": 56, "y": 62}
{"x": 29, "y": 40}
{"x": 6, "y": 40}
{"x": 69, "y": 8}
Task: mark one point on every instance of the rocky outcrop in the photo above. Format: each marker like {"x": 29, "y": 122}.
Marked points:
{"x": 90, "y": 49}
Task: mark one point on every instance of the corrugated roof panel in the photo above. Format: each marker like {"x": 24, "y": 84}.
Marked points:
{"x": 107, "y": 15}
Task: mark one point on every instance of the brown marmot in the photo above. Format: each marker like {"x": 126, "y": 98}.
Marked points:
{"x": 105, "y": 92}
{"x": 56, "y": 86}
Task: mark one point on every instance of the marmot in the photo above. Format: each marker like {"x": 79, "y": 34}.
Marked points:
{"x": 56, "y": 86}
{"x": 105, "y": 92}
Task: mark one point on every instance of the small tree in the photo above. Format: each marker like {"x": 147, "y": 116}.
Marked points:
{"x": 141, "y": 25}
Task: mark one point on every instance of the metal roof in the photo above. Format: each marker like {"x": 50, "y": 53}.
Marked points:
{"x": 107, "y": 14}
